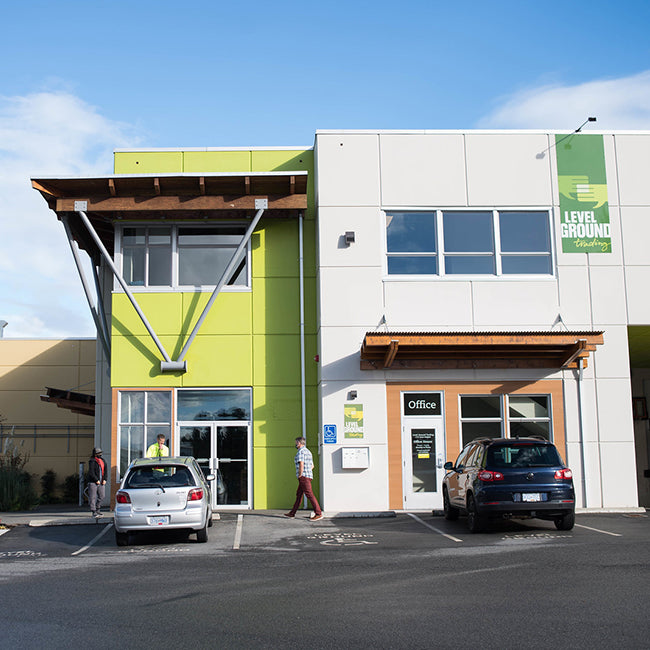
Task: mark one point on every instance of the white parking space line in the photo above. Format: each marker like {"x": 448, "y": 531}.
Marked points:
{"x": 93, "y": 540}
{"x": 3, "y": 531}
{"x": 597, "y": 530}
{"x": 433, "y": 528}
{"x": 240, "y": 523}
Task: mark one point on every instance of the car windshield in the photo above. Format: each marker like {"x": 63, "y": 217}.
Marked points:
{"x": 159, "y": 476}
{"x": 522, "y": 455}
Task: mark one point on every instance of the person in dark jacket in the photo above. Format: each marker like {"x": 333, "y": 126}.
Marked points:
{"x": 97, "y": 472}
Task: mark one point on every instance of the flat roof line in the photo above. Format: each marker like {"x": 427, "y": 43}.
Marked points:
{"x": 162, "y": 149}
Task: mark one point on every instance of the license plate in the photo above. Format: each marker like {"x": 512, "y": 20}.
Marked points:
{"x": 162, "y": 520}
{"x": 531, "y": 497}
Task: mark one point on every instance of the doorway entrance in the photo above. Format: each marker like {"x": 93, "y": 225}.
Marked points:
{"x": 221, "y": 449}
{"x": 423, "y": 450}
{"x": 214, "y": 426}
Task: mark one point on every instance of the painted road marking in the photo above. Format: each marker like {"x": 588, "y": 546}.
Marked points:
{"x": 240, "y": 524}
{"x": 342, "y": 539}
{"x": 433, "y": 528}
{"x": 3, "y": 531}
{"x": 93, "y": 540}
{"x": 597, "y": 530}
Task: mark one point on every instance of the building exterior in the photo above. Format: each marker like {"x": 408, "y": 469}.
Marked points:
{"x": 205, "y": 263}
{"x": 56, "y": 439}
{"x": 391, "y": 295}
{"x": 493, "y": 283}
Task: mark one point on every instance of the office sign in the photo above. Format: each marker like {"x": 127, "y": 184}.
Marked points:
{"x": 584, "y": 207}
{"x": 422, "y": 403}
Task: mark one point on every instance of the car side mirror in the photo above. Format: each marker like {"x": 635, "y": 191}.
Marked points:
{"x": 448, "y": 465}
{"x": 210, "y": 477}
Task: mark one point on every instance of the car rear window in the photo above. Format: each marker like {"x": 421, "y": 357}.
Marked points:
{"x": 522, "y": 455}
{"x": 155, "y": 475}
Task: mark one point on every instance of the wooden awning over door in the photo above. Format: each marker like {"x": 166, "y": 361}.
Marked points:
{"x": 477, "y": 350}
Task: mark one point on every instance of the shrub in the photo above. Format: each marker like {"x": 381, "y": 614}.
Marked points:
{"x": 48, "y": 487}
{"x": 16, "y": 492}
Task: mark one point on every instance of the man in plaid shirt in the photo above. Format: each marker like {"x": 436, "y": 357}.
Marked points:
{"x": 305, "y": 473}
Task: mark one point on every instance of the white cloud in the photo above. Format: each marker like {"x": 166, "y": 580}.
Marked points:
{"x": 617, "y": 103}
{"x": 46, "y": 134}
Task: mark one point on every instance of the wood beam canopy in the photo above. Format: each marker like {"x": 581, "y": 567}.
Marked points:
{"x": 150, "y": 197}
{"x": 477, "y": 350}
{"x": 76, "y": 402}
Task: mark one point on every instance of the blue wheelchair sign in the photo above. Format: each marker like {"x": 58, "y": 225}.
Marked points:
{"x": 329, "y": 433}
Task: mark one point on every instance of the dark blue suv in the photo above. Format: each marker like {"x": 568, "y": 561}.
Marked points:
{"x": 509, "y": 477}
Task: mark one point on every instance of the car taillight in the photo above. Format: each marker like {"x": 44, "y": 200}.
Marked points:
{"x": 485, "y": 475}
{"x": 123, "y": 497}
{"x": 563, "y": 474}
{"x": 195, "y": 495}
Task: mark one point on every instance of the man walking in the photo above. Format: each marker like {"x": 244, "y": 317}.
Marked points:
{"x": 305, "y": 473}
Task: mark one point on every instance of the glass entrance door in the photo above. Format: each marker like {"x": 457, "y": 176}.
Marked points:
{"x": 423, "y": 452}
{"x": 220, "y": 449}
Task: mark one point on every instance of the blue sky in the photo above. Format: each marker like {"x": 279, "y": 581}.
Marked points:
{"x": 82, "y": 78}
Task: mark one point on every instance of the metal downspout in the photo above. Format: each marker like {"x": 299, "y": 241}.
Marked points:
{"x": 303, "y": 397}
{"x": 224, "y": 277}
{"x": 123, "y": 284}
{"x": 101, "y": 331}
{"x": 583, "y": 478}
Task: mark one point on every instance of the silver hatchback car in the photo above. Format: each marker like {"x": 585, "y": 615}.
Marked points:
{"x": 163, "y": 493}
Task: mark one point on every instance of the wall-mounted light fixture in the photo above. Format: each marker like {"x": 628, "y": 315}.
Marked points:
{"x": 352, "y": 394}
{"x": 349, "y": 237}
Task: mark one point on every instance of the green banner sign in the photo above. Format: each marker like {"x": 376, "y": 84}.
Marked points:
{"x": 353, "y": 420}
{"x": 584, "y": 209}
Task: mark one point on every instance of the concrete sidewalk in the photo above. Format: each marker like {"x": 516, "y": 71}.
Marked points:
{"x": 68, "y": 515}
{"x": 52, "y": 515}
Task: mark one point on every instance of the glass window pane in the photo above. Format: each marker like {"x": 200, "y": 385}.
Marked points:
{"x": 232, "y": 442}
{"x": 411, "y": 232}
{"x": 202, "y": 266}
{"x": 152, "y": 435}
{"x": 132, "y": 406}
{"x": 224, "y": 235}
{"x": 131, "y": 445}
{"x": 473, "y": 430}
{"x": 412, "y": 265}
{"x": 133, "y": 236}
{"x": 539, "y": 264}
{"x": 133, "y": 266}
{"x": 160, "y": 236}
{"x": 159, "y": 406}
{"x": 468, "y": 232}
{"x": 526, "y": 429}
{"x": 469, "y": 264}
{"x": 524, "y": 232}
{"x": 528, "y": 406}
{"x": 480, "y": 407}
{"x": 231, "y": 404}
{"x": 160, "y": 266}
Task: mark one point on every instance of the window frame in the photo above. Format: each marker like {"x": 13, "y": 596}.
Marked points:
{"x": 505, "y": 420}
{"x": 439, "y": 254}
{"x": 174, "y": 286}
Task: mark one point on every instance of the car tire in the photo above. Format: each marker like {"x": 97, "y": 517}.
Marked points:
{"x": 451, "y": 513}
{"x": 121, "y": 539}
{"x": 210, "y": 519}
{"x": 475, "y": 522}
{"x": 202, "y": 534}
{"x": 565, "y": 522}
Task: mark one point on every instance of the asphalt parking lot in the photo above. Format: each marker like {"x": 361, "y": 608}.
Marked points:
{"x": 270, "y": 532}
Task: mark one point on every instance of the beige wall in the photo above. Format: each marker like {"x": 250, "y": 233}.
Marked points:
{"x": 54, "y": 438}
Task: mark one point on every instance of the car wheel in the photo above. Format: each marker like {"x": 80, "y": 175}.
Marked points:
{"x": 451, "y": 513}
{"x": 565, "y": 522}
{"x": 475, "y": 522}
{"x": 202, "y": 534}
{"x": 121, "y": 539}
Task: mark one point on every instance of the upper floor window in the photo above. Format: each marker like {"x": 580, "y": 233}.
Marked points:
{"x": 182, "y": 255}
{"x": 468, "y": 242}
